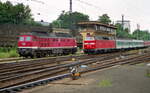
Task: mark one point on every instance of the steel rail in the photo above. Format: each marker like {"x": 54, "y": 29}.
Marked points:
{"x": 43, "y": 81}
{"x": 32, "y": 84}
{"x": 39, "y": 72}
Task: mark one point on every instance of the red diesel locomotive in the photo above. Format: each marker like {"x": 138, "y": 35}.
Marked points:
{"x": 98, "y": 45}
{"x": 40, "y": 44}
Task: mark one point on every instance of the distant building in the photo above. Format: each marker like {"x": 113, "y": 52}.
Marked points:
{"x": 43, "y": 23}
{"x": 104, "y": 31}
{"x": 125, "y": 23}
{"x": 60, "y": 30}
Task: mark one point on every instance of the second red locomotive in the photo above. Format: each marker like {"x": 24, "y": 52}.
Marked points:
{"x": 40, "y": 44}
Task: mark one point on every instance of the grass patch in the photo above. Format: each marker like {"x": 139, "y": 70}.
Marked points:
{"x": 141, "y": 64}
{"x": 13, "y": 53}
{"x": 4, "y": 55}
{"x": 148, "y": 75}
{"x": 105, "y": 83}
{"x": 8, "y": 53}
{"x": 148, "y": 72}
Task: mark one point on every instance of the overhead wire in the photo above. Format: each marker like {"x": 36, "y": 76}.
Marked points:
{"x": 96, "y": 12}
{"x": 89, "y": 4}
{"x": 38, "y": 1}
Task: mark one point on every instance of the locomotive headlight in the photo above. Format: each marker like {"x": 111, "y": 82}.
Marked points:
{"x": 89, "y": 43}
{"x": 92, "y": 43}
{"x": 86, "y": 43}
{"x": 23, "y": 43}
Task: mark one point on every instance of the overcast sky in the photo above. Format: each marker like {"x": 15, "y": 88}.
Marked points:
{"x": 137, "y": 11}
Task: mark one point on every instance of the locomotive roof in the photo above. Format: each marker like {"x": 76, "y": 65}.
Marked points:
{"x": 129, "y": 40}
{"x": 62, "y": 35}
{"x": 46, "y": 34}
{"x": 37, "y": 33}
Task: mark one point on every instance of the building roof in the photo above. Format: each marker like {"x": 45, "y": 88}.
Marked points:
{"x": 96, "y": 23}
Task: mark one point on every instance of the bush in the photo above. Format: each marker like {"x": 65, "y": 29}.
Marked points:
{"x": 13, "y": 53}
{"x": 7, "y": 53}
{"x": 4, "y": 49}
{"x": 4, "y": 55}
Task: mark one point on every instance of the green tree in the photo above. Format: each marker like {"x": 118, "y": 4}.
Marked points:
{"x": 105, "y": 19}
{"x": 69, "y": 20}
{"x": 141, "y": 34}
{"x": 120, "y": 33}
{"x": 15, "y": 14}
{"x": 5, "y": 12}
{"x": 137, "y": 34}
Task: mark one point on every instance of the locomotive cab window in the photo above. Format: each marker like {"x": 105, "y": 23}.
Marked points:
{"x": 105, "y": 38}
{"x": 21, "y": 38}
{"x": 28, "y": 38}
{"x": 89, "y": 38}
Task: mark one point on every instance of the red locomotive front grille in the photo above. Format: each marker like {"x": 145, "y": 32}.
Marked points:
{"x": 89, "y": 44}
{"x": 25, "y": 41}
{"x": 25, "y": 44}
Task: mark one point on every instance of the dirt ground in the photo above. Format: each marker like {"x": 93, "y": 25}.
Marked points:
{"x": 120, "y": 79}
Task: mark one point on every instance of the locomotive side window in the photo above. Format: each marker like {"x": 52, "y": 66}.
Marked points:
{"x": 28, "y": 38}
{"x": 105, "y": 38}
{"x": 21, "y": 38}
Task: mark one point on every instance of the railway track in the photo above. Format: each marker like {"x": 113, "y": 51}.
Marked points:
{"x": 28, "y": 62}
{"x": 4, "y": 60}
{"x": 9, "y": 68}
{"x": 99, "y": 63}
{"x": 14, "y": 77}
{"x": 122, "y": 61}
{"x": 21, "y": 59}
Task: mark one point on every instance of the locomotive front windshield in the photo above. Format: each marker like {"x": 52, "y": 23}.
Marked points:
{"x": 28, "y": 39}
{"x": 25, "y": 38}
{"x": 89, "y": 38}
{"x": 21, "y": 38}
